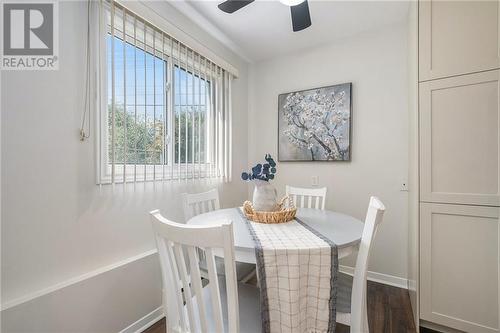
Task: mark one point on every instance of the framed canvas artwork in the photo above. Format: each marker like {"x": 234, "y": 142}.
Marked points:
{"x": 315, "y": 124}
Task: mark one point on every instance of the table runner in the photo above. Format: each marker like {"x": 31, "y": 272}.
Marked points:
{"x": 298, "y": 271}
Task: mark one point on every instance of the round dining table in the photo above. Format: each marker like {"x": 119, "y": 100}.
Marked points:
{"x": 343, "y": 230}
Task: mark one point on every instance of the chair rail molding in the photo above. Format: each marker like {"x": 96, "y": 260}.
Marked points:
{"x": 141, "y": 324}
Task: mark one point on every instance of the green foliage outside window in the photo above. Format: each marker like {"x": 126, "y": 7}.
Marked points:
{"x": 145, "y": 140}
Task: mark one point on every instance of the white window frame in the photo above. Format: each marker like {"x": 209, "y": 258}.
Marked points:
{"x": 217, "y": 160}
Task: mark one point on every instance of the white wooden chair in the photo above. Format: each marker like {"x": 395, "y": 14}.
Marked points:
{"x": 199, "y": 203}
{"x": 351, "y": 296}
{"x": 188, "y": 306}
{"x": 315, "y": 197}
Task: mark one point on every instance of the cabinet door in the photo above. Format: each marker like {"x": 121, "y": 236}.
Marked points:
{"x": 460, "y": 261}
{"x": 459, "y": 139}
{"x": 458, "y": 37}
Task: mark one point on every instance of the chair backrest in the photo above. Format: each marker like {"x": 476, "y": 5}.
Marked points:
{"x": 174, "y": 240}
{"x": 374, "y": 216}
{"x": 199, "y": 203}
{"x": 307, "y": 197}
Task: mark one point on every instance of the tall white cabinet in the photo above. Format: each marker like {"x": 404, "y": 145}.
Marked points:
{"x": 459, "y": 163}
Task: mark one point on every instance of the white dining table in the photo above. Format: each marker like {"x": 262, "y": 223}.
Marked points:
{"x": 343, "y": 230}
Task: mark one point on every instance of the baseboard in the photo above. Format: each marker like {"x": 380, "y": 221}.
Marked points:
{"x": 438, "y": 328}
{"x": 390, "y": 280}
{"x": 145, "y": 322}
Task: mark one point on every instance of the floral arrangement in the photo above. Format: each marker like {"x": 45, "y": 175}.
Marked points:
{"x": 264, "y": 171}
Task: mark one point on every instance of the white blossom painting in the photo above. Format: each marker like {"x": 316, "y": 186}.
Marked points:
{"x": 314, "y": 125}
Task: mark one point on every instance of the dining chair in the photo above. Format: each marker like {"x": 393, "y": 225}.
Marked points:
{"x": 199, "y": 203}
{"x": 188, "y": 306}
{"x": 316, "y": 195}
{"x": 351, "y": 295}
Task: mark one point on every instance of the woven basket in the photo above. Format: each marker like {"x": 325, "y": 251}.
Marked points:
{"x": 281, "y": 215}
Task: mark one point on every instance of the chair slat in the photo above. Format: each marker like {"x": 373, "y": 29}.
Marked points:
{"x": 231, "y": 282}
{"x": 187, "y": 310}
{"x": 198, "y": 289}
{"x": 312, "y": 194}
{"x": 374, "y": 217}
{"x": 198, "y": 203}
{"x": 214, "y": 290}
{"x": 175, "y": 272}
{"x": 172, "y": 314}
{"x": 188, "y": 297}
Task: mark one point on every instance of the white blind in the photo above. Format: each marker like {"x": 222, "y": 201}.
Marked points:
{"x": 166, "y": 110}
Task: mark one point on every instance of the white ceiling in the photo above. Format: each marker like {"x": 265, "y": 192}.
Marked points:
{"x": 263, "y": 29}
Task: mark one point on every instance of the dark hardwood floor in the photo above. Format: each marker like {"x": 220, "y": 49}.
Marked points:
{"x": 389, "y": 311}
{"x": 427, "y": 330}
{"x": 158, "y": 327}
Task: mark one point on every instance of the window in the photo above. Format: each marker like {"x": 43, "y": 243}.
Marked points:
{"x": 166, "y": 113}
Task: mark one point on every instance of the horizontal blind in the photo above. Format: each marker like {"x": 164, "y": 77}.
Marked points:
{"x": 168, "y": 108}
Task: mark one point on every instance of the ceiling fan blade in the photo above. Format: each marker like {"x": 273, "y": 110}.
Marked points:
{"x": 230, "y": 6}
{"x": 301, "y": 18}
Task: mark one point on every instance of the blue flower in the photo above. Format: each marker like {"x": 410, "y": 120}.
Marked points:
{"x": 257, "y": 169}
{"x": 263, "y": 172}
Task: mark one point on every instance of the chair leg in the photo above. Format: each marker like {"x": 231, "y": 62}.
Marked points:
{"x": 249, "y": 276}
{"x": 366, "y": 328}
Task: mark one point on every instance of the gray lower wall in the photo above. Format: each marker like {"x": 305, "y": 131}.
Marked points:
{"x": 108, "y": 302}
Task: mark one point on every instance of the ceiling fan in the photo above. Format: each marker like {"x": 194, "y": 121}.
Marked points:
{"x": 299, "y": 9}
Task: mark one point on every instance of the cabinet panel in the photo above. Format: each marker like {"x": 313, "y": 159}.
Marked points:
{"x": 459, "y": 271}
{"x": 458, "y": 37}
{"x": 459, "y": 139}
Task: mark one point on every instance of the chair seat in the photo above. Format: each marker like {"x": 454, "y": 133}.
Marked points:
{"x": 249, "y": 302}
{"x": 219, "y": 266}
{"x": 242, "y": 269}
{"x": 344, "y": 299}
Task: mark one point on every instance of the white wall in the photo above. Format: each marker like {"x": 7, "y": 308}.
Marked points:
{"x": 56, "y": 223}
{"x": 376, "y": 64}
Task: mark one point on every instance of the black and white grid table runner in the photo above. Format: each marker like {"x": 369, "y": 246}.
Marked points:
{"x": 298, "y": 272}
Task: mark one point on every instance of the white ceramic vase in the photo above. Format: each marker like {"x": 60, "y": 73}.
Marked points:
{"x": 264, "y": 196}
